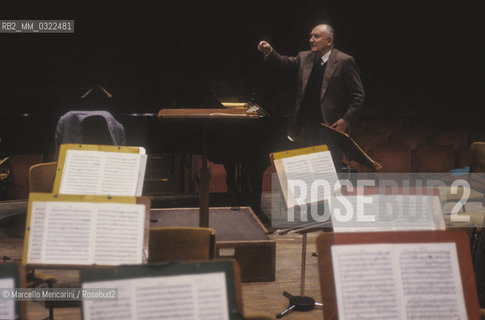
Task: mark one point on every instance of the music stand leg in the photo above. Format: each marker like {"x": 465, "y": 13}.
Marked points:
{"x": 349, "y": 168}
{"x": 303, "y": 265}
{"x": 204, "y": 186}
{"x": 301, "y": 302}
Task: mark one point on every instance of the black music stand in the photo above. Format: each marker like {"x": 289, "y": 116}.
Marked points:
{"x": 352, "y": 152}
{"x": 351, "y": 149}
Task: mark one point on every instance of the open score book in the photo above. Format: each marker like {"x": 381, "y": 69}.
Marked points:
{"x": 85, "y": 230}
{"x": 300, "y": 168}
{"x": 196, "y": 291}
{"x": 397, "y": 275}
{"x": 100, "y": 170}
{"x": 398, "y": 281}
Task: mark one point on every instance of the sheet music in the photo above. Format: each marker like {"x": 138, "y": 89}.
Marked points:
{"x": 122, "y": 309}
{"x": 398, "y": 281}
{"x": 90, "y": 172}
{"x": 184, "y": 297}
{"x": 119, "y": 233}
{"x": 86, "y": 233}
{"x": 81, "y": 172}
{"x": 141, "y": 173}
{"x": 7, "y": 307}
{"x": 390, "y": 212}
{"x": 307, "y": 169}
{"x": 323, "y": 169}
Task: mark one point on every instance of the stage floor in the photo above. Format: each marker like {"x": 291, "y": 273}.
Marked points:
{"x": 258, "y": 297}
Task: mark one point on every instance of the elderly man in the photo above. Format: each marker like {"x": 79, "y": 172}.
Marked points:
{"x": 329, "y": 89}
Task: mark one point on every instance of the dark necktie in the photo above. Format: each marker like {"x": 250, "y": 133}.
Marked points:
{"x": 322, "y": 64}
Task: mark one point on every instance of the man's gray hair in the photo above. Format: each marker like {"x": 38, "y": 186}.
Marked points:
{"x": 330, "y": 30}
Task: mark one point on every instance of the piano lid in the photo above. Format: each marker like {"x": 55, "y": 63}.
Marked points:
{"x": 188, "y": 88}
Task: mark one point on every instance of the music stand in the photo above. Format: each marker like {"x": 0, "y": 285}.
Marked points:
{"x": 351, "y": 149}
{"x": 327, "y": 276}
{"x": 353, "y": 153}
{"x": 302, "y": 302}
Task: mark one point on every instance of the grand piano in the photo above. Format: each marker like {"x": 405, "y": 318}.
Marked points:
{"x": 236, "y": 144}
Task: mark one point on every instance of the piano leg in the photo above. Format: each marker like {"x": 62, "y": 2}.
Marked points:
{"x": 204, "y": 190}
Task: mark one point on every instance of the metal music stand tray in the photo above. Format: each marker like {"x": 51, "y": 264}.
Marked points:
{"x": 351, "y": 149}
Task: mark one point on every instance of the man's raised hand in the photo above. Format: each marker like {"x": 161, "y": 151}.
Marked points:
{"x": 265, "y": 47}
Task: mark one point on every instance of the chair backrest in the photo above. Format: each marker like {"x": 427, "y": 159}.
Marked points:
{"x": 431, "y": 158}
{"x": 89, "y": 127}
{"x": 393, "y": 158}
{"x": 477, "y": 157}
{"x": 181, "y": 244}
{"x": 95, "y": 131}
{"x": 41, "y": 177}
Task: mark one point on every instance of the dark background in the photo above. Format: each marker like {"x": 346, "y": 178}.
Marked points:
{"x": 417, "y": 58}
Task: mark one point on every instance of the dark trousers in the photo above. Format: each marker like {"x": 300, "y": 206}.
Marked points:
{"x": 315, "y": 134}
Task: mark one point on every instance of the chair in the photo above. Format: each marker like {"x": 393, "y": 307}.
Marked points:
{"x": 89, "y": 127}
{"x": 412, "y": 137}
{"x": 476, "y": 220}
{"x": 457, "y": 138}
{"x": 19, "y": 166}
{"x": 368, "y": 139}
{"x": 477, "y": 165}
{"x": 35, "y": 279}
{"x": 394, "y": 158}
{"x": 430, "y": 158}
{"x": 181, "y": 243}
{"x": 96, "y": 131}
{"x": 4, "y": 176}
{"x": 477, "y": 157}
{"x": 41, "y": 177}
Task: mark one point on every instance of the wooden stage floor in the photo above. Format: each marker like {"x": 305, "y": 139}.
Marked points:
{"x": 258, "y": 297}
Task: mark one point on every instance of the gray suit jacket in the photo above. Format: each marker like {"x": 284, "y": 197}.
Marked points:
{"x": 342, "y": 94}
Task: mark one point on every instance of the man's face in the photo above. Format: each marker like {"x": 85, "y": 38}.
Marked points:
{"x": 320, "y": 40}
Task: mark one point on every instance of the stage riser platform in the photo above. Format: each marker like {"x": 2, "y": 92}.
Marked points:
{"x": 239, "y": 235}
